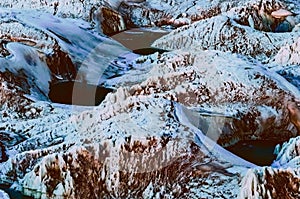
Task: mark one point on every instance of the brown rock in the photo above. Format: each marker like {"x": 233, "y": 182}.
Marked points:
{"x": 111, "y": 21}
{"x": 294, "y": 114}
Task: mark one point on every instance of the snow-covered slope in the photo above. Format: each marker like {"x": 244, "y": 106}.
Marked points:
{"x": 121, "y": 145}
{"x": 224, "y": 34}
{"x": 59, "y": 50}
{"x": 161, "y": 133}
{"x": 288, "y": 54}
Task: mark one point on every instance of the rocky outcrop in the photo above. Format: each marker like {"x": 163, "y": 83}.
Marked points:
{"x": 102, "y": 13}
{"x": 174, "y": 13}
{"x": 51, "y": 52}
{"x": 263, "y": 15}
{"x": 38, "y": 48}
{"x": 286, "y": 62}
{"x": 121, "y": 145}
{"x": 224, "y": 34}
{"x": 137, "y": 15}
{"x": 161, "y": 133}
{"x": 8, "y": 91}
{"x": 119, "y": 156}
{"x": 264, "y": 182}
{"x": 242, "y": 29}
{"x": 190, "y": 78}
{"x": 111, "y": 22}
{"x": 288, "y": 154}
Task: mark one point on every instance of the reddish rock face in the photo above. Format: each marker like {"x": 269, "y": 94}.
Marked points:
{"x": 14, "y": 99}
{"x": 60, "y": 64}
{"x": 275, "y": 183}
{"x": 159, "y": 134}
{"x": 294, "y": 114}
{"x": 111, "y": 21}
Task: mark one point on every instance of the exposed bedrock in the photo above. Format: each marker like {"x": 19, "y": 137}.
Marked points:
{"x": 161, "y": 133}
{"x": 270, "y": 183}
{"x": 264, "y": 182}
{"x": 173, "y": 13}
{"x": 288, "y": 55}
{"x": 263, "y": 15}
{"x": 134, "y": 159}
{"x": 101, "y": 13}
{"x": 33, "y": 48}
{"x": 111, "y": 21}
{"x": 239, "y": 94}
{"x": 224, "y": 34}
{"x": 48, "y": 53}
{"x": 266, "y": 15}
{"x": 115, "y": 16}
{"x": 63, "y": 8}
{"x": 129, "y": 157}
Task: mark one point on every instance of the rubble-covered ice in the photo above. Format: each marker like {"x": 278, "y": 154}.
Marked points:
{"x": 224, "y": 34}
{"x": 229, "y": 76}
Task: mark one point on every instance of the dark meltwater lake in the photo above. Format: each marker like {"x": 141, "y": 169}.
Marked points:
{"x": 78, "y": 93}
{"x": 259, "y": 152}
{"x": 138, "y": 41}
{"x": 139, "y": 38}
{"x": 13, "y": 194}
{"x": 96, "y": 60}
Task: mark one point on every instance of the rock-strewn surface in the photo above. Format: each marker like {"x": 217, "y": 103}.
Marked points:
{"x": 101, "y": 13}
{"x": 279, "y": 181}
{"x": 172, "y": 12}
{"x": 121, "y": 145}
{"x": 224, "y": 34}
{"x": 160, "y": 133}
